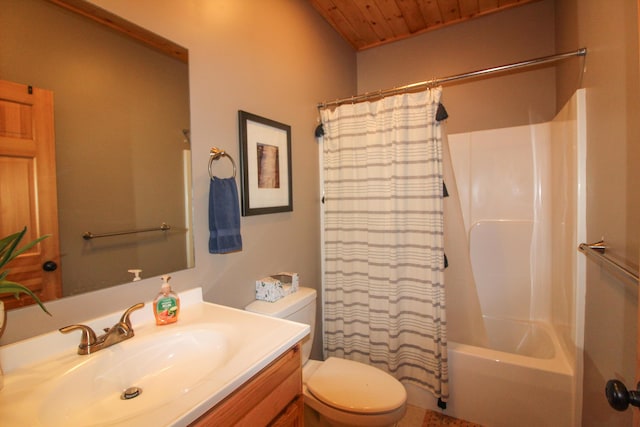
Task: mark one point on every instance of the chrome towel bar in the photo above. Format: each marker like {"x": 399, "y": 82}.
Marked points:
{"x": 598, "y": 250}
{"x": 89, "y": 235}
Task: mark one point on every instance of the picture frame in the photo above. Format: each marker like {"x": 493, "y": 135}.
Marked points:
{"x": 265, "y": 163}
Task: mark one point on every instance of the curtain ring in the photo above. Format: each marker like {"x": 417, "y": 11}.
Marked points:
{"x": 215, "y": 154}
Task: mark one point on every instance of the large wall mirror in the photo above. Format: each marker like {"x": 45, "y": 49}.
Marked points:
{"x": 121, "y": 114}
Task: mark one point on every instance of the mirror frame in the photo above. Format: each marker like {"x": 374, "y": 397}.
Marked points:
{"x": 108, "y": 19}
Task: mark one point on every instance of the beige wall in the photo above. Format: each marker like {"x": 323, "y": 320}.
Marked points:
{"x": 511, "y": 36}
{"x": 612, "y": 81}
{"x": 276, "y": 59}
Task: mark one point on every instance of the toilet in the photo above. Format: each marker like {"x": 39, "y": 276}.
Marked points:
{"x": 343, "y": 392}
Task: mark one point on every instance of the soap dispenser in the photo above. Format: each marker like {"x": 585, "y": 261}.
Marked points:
{"x": 166, "y": 306}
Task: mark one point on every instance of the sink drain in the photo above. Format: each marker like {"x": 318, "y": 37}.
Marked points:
{"x": 131, "y": 393}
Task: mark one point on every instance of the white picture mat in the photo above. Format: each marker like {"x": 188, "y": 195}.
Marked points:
{"x": 259, "y": 133}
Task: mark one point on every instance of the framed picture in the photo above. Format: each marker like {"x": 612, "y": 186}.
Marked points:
{"x": 265, "y": 159}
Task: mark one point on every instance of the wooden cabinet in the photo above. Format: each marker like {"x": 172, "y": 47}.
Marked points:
{"x": 273, "y": 397}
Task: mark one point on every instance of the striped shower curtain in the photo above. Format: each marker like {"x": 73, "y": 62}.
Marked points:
{"x": 383, "y": 232}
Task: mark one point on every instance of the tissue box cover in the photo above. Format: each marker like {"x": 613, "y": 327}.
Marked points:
{"x": 288, "y": 278}
{"x": 269, "y": 289}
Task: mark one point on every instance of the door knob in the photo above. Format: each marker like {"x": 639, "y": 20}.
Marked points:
{"x": 619, "y": 397}
{"x": 49, "y": 266}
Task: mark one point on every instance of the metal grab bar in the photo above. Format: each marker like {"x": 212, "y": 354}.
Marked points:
{"x": 89, "y": 235}
{"x": 598, "y": 251}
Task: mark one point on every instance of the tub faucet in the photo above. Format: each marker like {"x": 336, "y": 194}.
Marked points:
{"x": 90, "y": 343}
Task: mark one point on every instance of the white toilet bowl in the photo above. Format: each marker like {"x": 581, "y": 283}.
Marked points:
{"x": 342, "y": 392}
{"x": 348, "y": 393}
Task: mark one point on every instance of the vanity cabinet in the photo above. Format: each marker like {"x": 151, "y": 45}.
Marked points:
{"x": 273, "y": 397}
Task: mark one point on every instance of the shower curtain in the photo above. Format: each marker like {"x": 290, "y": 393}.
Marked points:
{"x": 383, "y": 237}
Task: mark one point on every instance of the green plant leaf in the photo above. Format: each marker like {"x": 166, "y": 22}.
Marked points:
{"x": 8, "y": 251}
{"x": 7, "y": 287}
{"x": 8, "y": 245}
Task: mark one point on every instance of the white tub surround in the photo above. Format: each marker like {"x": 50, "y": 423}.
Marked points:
{"x": 521, "y": 197}
{"x": 236, "y": 344}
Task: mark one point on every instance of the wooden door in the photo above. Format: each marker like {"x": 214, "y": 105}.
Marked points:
{"x": 28, "y": 188}
{"x": 636, "y": 412}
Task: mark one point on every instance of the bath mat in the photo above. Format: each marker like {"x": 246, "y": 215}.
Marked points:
{"x": 436, "y": 419}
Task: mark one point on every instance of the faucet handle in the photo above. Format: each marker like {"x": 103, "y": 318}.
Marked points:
{"x": 125, "y": 316}
{"x": 87, "y": 339}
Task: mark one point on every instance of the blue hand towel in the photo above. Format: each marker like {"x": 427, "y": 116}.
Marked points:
{"x": 224, "y": 216}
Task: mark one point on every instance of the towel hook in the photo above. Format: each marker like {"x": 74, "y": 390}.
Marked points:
{"x": 215, "y": 154}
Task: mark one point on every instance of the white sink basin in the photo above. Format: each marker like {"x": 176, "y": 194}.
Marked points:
{"x": 162, "y": 367}
{"x": 182, "y": 370}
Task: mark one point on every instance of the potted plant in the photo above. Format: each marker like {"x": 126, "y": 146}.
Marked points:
{"x": 8, "y": 251}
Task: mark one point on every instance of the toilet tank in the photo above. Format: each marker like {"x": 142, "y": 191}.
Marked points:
{"x": 298, "y": 307}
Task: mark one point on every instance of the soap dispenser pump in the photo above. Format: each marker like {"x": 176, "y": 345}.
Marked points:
{"x": 166, "y": 306}
{"x": 136, "y": 274}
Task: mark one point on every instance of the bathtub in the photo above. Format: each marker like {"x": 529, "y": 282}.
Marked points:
{"x": 518, "y": 222}
{"x": 523, "y": 378}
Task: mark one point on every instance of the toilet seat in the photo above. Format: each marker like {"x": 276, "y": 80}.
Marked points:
{"x": 355, "y": 387}
{"x": 340, "y": 392}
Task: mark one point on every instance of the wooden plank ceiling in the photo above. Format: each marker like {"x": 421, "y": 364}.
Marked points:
{"x": 369, "y": 23}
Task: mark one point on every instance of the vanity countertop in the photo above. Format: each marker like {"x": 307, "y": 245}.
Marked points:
{"x": 46, "y": 383}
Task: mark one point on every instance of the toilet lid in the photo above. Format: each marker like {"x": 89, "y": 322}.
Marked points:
{"x": 356, "y": 387}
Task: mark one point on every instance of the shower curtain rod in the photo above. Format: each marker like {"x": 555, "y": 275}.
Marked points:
{"x": 436, "y": 82}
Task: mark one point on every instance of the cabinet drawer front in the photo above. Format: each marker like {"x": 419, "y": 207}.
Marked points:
{"x": 293, "y": 416}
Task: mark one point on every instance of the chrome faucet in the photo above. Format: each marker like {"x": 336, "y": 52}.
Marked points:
{"x": 90, "y": 343}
